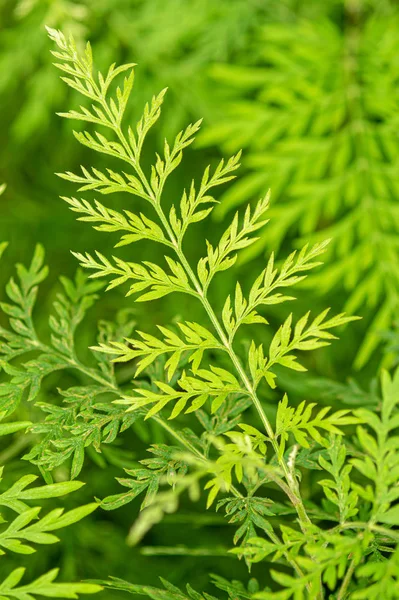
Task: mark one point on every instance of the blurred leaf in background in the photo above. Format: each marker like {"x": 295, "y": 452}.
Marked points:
{"x": 316, "y": 108}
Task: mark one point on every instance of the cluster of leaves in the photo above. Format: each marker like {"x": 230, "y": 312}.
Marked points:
{"x": 318, "y": 508}
{"x": 86, "y": 420}
{"x": 23, "y": 527}
{"x": 312, "y": 111}
{"x": 362, "y": 542}
{"x": 252, "y": 472}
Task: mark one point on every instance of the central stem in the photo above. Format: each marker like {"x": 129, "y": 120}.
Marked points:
{"x": 294, "y": 493}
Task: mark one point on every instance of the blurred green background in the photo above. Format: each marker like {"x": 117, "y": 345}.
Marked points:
{"x": 310, "y": 90}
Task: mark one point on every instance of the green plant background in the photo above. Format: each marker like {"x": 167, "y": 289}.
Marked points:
{"x": 266, "y": 76}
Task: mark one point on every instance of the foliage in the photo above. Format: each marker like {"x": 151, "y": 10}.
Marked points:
{"x": 312, "y": 110}
{"x": 304, "y": 490}
{"x": 27, "y": 527}
{"x": 209, "y": 372}
{"x": 176, "y": 54}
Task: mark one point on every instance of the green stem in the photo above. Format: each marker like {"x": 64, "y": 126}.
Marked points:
{"x": 294, "y": 495}
{"x": 292, "y": 484}
{"x": 389, "y": 533}
{"x": 346, "y": 582}
{"x": 394, "y": 535}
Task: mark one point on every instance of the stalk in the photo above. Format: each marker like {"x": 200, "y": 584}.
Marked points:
{"x": 292, "y": 487}
{"x": 346, "y": 582}
{"x": 294, "y": 493}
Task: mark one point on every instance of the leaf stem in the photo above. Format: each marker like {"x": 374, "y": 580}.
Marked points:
{"x": 292, "y": 490}
{"x": 346, "y": 582}
{"x": 293, "y": 487}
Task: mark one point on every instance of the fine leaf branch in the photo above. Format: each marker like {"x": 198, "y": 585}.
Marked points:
{"x": 192, "y": 200}
{"x": 338, "y": 489}
{"x": 214, "y": 383}
{"x": 303, "y": 423}
{"x": 378, "y": 461}
{"x": 147, "y": 276}
{"x": 304, "y": 336}
{"x": 45, "y": 585}
{"x": 135, "y": 227}
{"x": 262, "y": 293}
{"x": 195, "y": 339}
{"x": 233, "y": 239}
{"x": 28, "y": 528}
